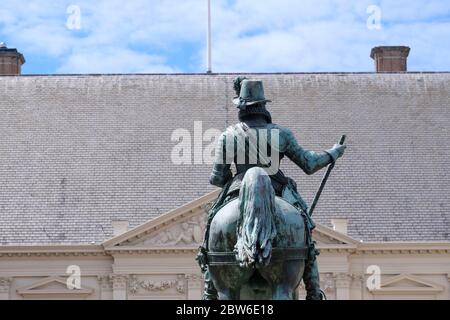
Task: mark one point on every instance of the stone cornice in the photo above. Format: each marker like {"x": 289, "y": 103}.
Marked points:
{"x": 345, "y": 239}
{"x": 373, "y": 248}
{"x": 150, "y": 250}
{"x": 413, "y": 247}
{"x": 92, "y": 250}
{"x": 51, "y": 250}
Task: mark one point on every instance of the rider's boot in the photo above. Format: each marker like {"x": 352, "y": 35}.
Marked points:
{"x": 210, "y": 292}
{"x": 312, "y": 280}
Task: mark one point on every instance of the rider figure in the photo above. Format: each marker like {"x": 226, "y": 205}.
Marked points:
{"x": 254, "y": 115}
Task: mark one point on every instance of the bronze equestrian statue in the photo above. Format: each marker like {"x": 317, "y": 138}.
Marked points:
{"x": 258, "y": 240}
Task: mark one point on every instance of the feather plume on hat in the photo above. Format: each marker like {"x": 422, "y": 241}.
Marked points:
{"x": 238, "y": 84}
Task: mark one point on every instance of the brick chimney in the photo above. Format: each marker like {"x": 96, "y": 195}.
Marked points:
{"x": 390, "y": 58}
{"x": 11, "y": 61}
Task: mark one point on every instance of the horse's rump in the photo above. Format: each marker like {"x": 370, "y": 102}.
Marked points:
{"x": 223, "y": 238}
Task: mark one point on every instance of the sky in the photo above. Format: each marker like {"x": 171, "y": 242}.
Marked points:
{"x": 169, "y": 36}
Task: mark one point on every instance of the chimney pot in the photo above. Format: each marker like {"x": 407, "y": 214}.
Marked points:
{"x": 119, "y": 226}
{"x": 11, "y": 61}
{"x": 340, "y": 225}
{"x": 390, "y": 58}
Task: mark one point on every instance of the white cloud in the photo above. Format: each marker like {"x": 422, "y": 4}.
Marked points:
{"x": 113, "y": 60}
{"x": 248, "y": 35}
{"x": 328, "y": 35}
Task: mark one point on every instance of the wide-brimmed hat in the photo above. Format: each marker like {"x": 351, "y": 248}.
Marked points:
{"x": 251, "y": 92}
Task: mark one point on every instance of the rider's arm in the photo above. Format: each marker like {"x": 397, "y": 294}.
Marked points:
{"x": 221, "y": 172}
{"x": 308, "y": 161}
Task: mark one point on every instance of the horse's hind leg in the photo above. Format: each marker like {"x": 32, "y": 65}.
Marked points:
{"x": 282, "y": 291}
{"x": 228, "y": 280}
{"x": 229, "y": 294}
{"x": 284, "y": 277}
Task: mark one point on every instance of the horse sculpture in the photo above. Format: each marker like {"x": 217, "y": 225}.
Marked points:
{"x": 260, "y": 244}
{"x": 257, "y": 243}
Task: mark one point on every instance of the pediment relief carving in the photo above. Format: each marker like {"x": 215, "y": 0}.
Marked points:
{"x": 53, "y": 286}
{"x": 407, "y": 283}
{"x": 142, "y": 285}
{"x": 184, "y": 232}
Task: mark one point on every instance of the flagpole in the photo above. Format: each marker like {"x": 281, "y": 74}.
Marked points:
{"x": 208, "y": 41}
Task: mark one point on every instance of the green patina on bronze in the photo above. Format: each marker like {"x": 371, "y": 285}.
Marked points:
{"x": 258, "y": 242}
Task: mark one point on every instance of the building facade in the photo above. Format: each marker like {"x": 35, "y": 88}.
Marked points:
{"x": 92, "y": 199}
{"x": 156, "y": 261}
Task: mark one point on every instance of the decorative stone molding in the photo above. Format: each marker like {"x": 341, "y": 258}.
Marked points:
{"x": 321, "y": 238}
{"x": 327, "y": 282}
{"x": 119, "y": 281}
{"x": 152, "y": 250}
{"x": 358, "y": 281}
{"x": 194, "y": 280}
{"x": 32, "y": 251}
{"x": 406, "y": 285}
{"x": 106, "y": 282}
{"x": 343, "y": 280}
{"x": 187, "y": 232}
{"x": 53, "y": 287}
{"x": 151, "y": 286}
{"x": 5, "y": 284}
{"x": 206, "y": 206}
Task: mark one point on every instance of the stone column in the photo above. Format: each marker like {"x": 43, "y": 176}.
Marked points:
{"x": 343, "y": 282}
{"x": 106, "y": 287}
{"x": 4, "y": 288}
{"x": 327, "y": 284}
{"x": 357, "y": 287}
{"x": 119, "y": 286}
{"x": 194, "y": 286}
{"x": 448, "y": 277}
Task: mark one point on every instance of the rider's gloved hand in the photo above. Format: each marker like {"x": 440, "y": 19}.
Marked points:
{"x": 337, "y": 151}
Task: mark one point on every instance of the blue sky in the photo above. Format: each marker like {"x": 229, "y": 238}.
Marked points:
{"x": 164, "y": 36}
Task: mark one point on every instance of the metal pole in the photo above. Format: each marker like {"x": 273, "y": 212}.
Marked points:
{"x": 324, "y": 180}
{"x": 208, "y": 40}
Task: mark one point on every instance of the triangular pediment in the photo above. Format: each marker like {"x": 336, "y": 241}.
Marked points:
{"x": 184, "y": 228}
{"x": 405, "y": 283}
{"x": 181, "y": 227}
{"x": 327, "y": 237}
{"x": 52, "y": 286}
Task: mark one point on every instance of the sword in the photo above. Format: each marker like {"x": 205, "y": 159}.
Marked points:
{"x": 324, "y": 181}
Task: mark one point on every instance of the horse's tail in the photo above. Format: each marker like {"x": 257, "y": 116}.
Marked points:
{"x": 256, "y": 226}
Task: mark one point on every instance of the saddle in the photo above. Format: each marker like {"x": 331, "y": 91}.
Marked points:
{"x": 284, "y": 187}
{"x": 279, "y": 181}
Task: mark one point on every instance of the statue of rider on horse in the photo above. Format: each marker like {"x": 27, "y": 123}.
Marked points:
{"x": 258, "y": 240}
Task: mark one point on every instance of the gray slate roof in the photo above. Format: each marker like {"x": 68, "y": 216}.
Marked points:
{"x": 79, "y": 151}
